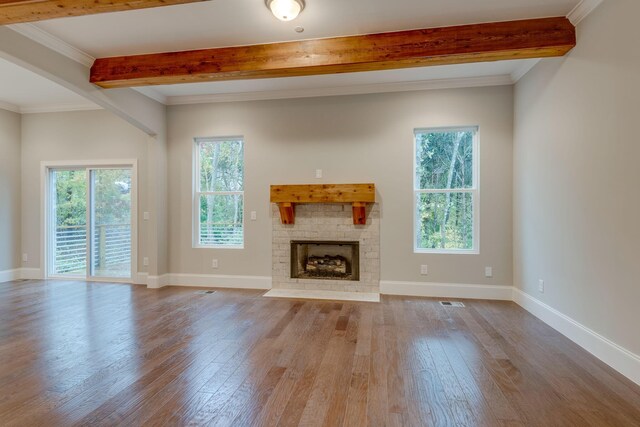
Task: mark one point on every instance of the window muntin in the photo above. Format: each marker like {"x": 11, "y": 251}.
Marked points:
{"x": 219, "y": 193}
{"x": 446, "y": 190}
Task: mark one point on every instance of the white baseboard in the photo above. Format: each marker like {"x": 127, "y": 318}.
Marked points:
{"x": 157, "y": 282}
{"x": 220, "y": 281}
{"x": 619, "y": 358}
{"x": 446, "y": 290}
{"x": 204, "y": 281}
{"x": 31, "y": 274}
{"x": 20, "y": 273}
{"x": 141, "y": 279}
{"x": 9, "y": 275}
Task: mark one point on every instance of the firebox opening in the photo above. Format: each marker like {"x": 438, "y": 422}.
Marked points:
{"x": 331, "y": 260}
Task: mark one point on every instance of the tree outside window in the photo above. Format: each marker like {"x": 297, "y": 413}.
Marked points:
{"x": 446, "y": 191}
{"x": 219, "y": 194}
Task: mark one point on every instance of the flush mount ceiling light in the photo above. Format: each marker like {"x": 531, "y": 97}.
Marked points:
{"x": 285, "y": 10}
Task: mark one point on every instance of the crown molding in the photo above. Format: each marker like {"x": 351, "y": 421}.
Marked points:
{"x": 9, "y": 107}
{"x": 502, "y": 80}
{"x": 46, "y": 39}
{"x": 58, "y": 108}
{"x": 582, "y": 10}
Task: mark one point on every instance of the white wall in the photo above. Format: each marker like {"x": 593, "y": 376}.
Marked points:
{"x": 576, "y": 196}
{"x": 85, "y": 135}
{"x": 10, "y": 257}
{"x": 364, "y": 138}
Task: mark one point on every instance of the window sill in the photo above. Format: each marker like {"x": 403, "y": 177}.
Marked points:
{"x": 447, "y": 251}
{"x": 216, "y": 247}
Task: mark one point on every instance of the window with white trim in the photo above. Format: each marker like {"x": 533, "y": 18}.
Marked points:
{"x": 446, "y": 193}
{"x": 219, "y": 192}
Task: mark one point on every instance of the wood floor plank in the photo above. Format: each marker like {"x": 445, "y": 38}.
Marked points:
{"x": 309, "y": 368}
{"x": 453, "y": 391}
{"x": 356, "y": 403}
{"x": 160, "y": 351}
{"x": 396, "y": 400}
{"x": 488, "y": 372}
{"x": 331, "y": 368}
{"x": 127, "y": 401}
{"x": 559, "y": 371}
{"x": 245, "y": 367}
{"x": 77, "y": 353}
{"x": 338, "y": 404}
{"x": 378, "y": 400}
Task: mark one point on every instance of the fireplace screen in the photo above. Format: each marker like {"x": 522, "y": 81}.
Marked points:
{"x": 325, "y": 260}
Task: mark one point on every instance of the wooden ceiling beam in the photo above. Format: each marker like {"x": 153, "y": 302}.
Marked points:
{"x": 19, "y": 11}
{"x": 535, "y": 38}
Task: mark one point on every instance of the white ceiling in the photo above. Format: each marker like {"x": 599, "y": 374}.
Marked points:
{"x": 23, "y": 91}
{"x": 219, "y": 23}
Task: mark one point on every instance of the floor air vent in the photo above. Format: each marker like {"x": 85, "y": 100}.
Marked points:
{"x": 451, "y": 304}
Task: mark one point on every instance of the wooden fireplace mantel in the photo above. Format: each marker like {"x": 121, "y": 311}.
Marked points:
{"x": 359, "y": 195}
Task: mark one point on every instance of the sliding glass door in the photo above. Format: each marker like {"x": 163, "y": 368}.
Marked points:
{"x": 110, "y": 223}
{"x": 68, "y": 231}
{"x": 90, "y": 232}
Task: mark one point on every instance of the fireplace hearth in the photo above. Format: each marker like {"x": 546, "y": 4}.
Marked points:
{"x": 325, "y": 260}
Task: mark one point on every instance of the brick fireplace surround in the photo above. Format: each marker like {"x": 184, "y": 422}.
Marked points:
{"x": 327, "y": 221}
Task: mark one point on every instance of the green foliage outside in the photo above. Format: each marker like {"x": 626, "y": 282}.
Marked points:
{"x": 221, "y": 170}
{"x": 111, "y": 220}
{"x": 112, "y": 197}
{"x": 71, "y": 198}
{"x": 444, "y": 160}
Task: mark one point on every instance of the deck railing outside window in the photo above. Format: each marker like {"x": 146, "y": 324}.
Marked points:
{"x": 221, "y": 233}
{"x": 112, "y": 247}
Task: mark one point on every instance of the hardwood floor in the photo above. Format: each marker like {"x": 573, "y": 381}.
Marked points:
{"x": 75, "y": 353}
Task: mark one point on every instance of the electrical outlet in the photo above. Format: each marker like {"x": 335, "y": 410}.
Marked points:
{"x": 541, "y": 286}
{"x": 25, "y": 257}
{"x": 214, "y": 263}
{"x": 488, "y": 272}
{"x": 145, "y": 261}
{"x": 424, "y": 269}
{"x": 254, "y": 215}
{"x": 318, "y": 173}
